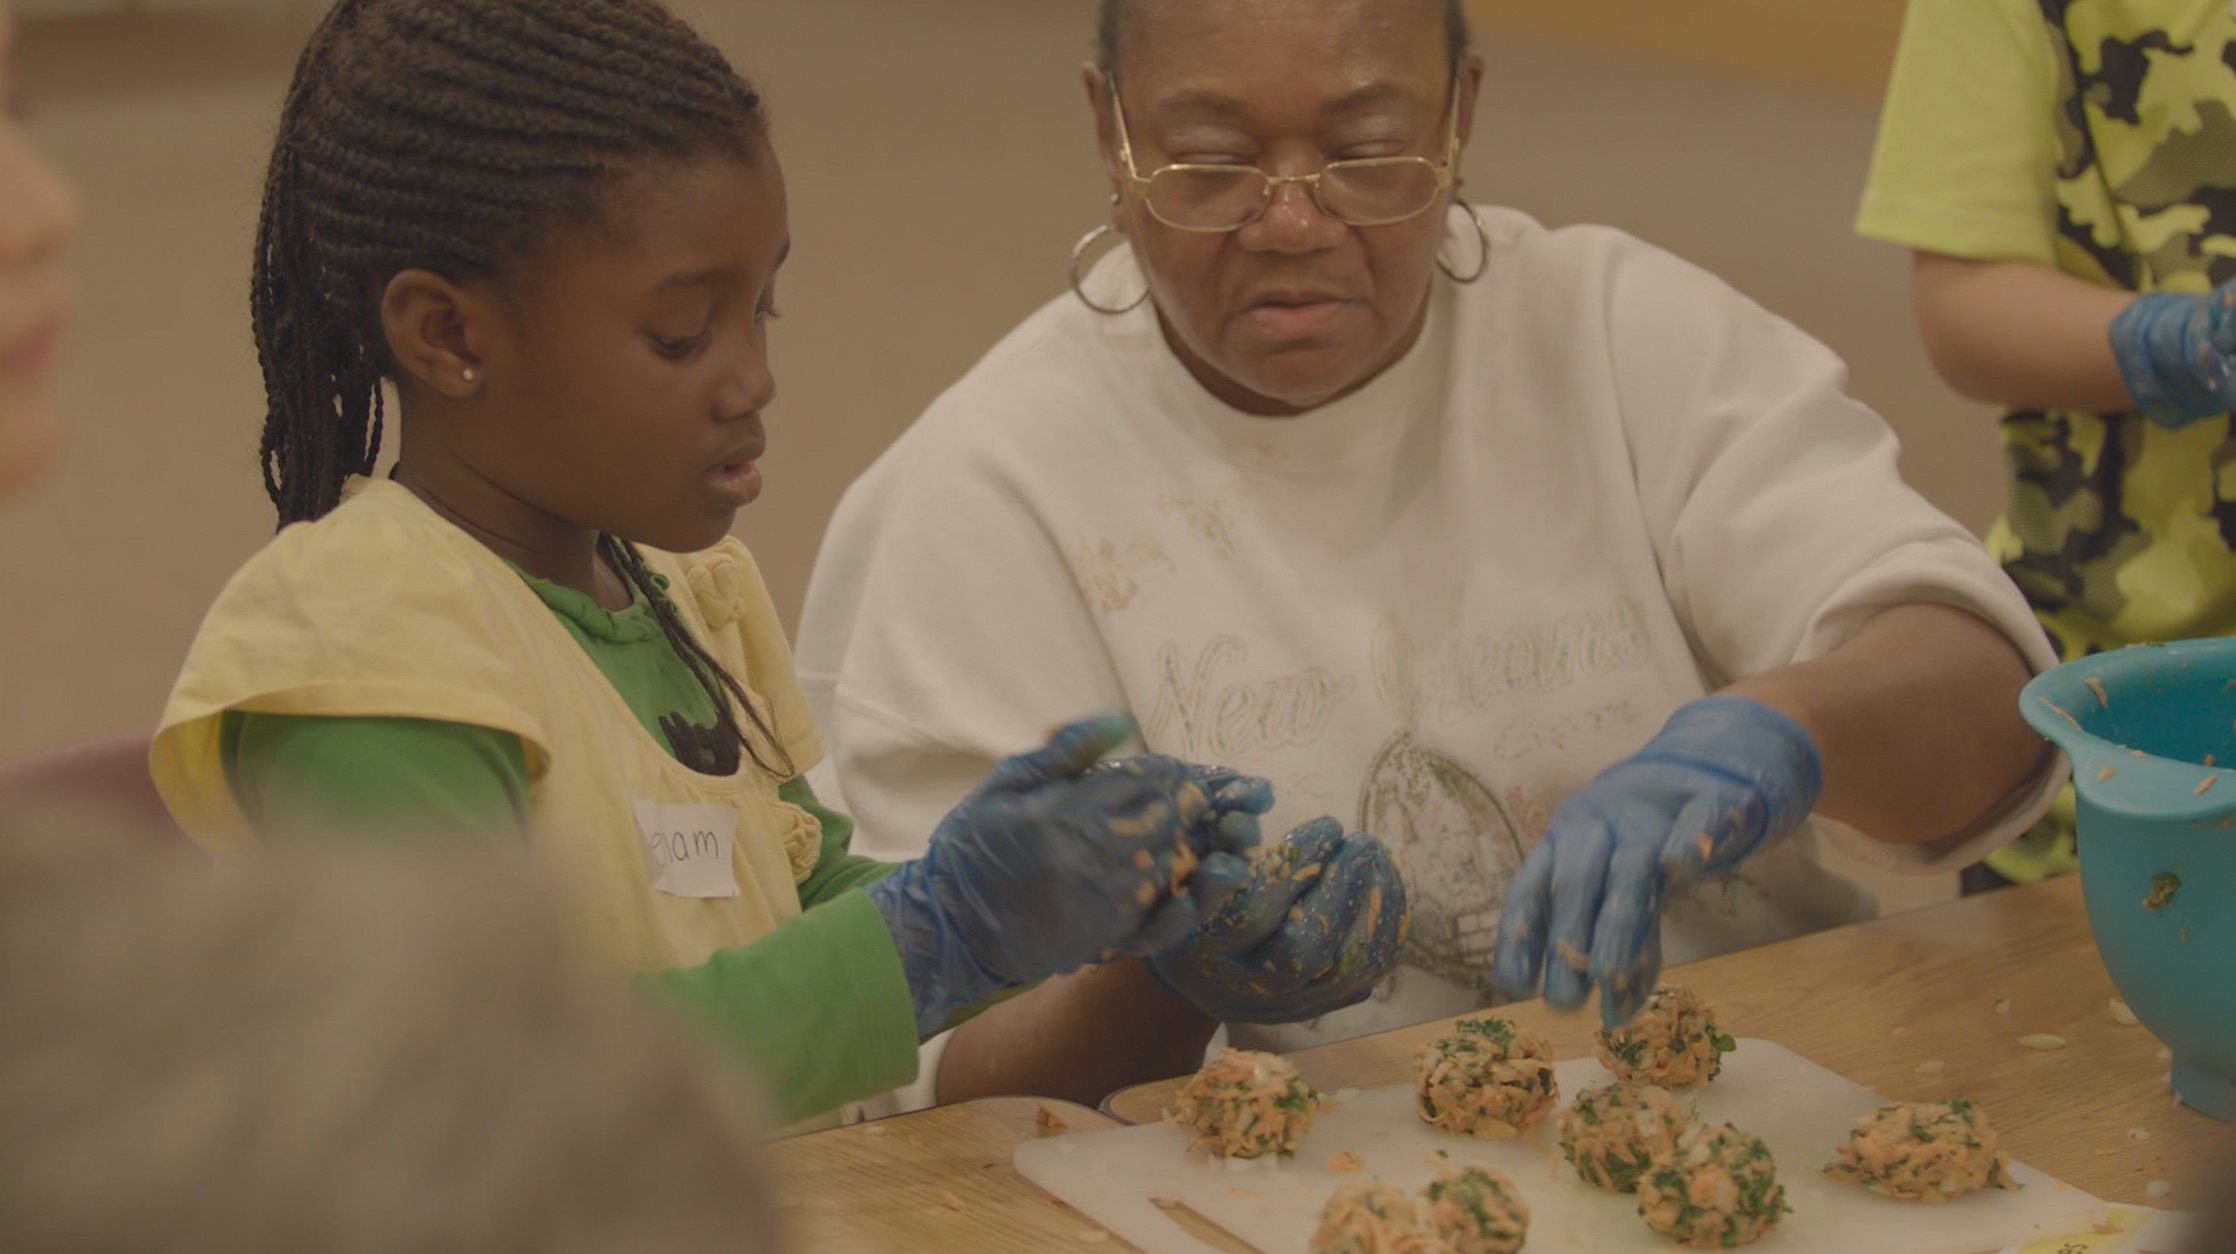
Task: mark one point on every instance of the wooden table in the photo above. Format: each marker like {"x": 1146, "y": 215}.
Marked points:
{"x": 1871, "y": 1002}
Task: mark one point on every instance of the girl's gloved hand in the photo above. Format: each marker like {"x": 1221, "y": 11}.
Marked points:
{"x": 1319, "y": 922}
{"x": 1049, "y": 865}
{"x": 1726, "y": 776}
{"x": 2177, "y": 354}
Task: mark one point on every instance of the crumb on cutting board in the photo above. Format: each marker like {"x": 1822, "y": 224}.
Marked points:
{"x": 1344, "y": 1161}
{"x": 1047, "y": 1122}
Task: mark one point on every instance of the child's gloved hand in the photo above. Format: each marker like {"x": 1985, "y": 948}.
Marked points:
{"x": 2177, "y": 354}
{"x": 1319, "y": 922}
{"x": 1049, "y": 865}
{"x": 1724, "y": 777}
{"x": 1238, "y": 801}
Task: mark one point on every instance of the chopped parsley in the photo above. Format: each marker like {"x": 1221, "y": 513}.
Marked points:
{"x": 1498, "y": 1030}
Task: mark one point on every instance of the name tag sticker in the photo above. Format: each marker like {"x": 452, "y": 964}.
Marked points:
{"x": 687, "y": 848}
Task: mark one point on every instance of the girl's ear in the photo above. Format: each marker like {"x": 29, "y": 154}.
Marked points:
{"x": 433, "y": 327}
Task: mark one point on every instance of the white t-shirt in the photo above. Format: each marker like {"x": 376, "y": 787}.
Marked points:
{"x": 1602, "y": 484}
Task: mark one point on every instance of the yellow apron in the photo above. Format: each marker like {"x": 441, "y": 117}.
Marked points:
{"x": 382, "y": 609}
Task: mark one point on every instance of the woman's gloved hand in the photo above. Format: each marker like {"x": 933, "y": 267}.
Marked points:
{"x": 1049, "y": 865}
{"x": 1726, "y": 776}
{"x": 1319, "y": 922}
{"x": 2177, "y": 354}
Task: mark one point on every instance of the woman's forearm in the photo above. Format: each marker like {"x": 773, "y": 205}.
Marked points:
{"x": 2018, "y": 333}
{"x": 1078, "y": 1037}
{"x": 1916, "y": 721}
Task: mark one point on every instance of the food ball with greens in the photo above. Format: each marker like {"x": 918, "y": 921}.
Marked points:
{"x": 1923, "y": 1153}
{"x": 1245, "y": 1105}
{"x": 1476, "y": 1210}
{"x": 1487, "y": 1079}
{"x": 1672, "y": 1043}
{"x": 1612, "y": 1133}
{"x": 1719, "y": 1189}
{"x": 1370, "y": 1217}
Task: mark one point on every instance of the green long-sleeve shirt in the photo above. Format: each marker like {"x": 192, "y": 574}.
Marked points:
{"x": 819, "y": 1005}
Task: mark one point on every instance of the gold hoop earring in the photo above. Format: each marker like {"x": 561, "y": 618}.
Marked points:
{"x": 1483, "y": 258}
{"x": 1078, "y": 287}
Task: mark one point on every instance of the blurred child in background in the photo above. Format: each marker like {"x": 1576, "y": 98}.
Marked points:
{"x": 2065, "y": 171}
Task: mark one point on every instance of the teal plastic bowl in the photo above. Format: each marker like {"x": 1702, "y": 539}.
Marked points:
{"x": 2158, "y": 839}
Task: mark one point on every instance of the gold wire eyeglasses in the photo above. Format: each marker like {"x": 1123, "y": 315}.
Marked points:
{"x": 1368, "y": 191}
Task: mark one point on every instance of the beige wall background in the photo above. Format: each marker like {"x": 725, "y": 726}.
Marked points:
{"x": 940, "y": 168}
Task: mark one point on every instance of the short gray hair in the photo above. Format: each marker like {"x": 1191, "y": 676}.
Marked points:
{"x": 1112, "y": 17}
{"x": 343, "y": 1051}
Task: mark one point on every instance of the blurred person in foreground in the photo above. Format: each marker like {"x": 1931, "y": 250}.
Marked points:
{"x": 364, "y": 1052}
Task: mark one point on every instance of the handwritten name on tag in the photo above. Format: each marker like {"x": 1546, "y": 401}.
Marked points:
{"x": 687, "y": 848}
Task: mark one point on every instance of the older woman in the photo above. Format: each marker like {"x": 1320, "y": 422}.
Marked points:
{"x": 1540, "y": 554}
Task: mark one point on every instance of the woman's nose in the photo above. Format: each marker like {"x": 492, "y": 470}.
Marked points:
{"x": 1293, "y": 222}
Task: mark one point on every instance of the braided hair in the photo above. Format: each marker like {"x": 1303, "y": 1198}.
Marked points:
{"x": 453, "y": 136}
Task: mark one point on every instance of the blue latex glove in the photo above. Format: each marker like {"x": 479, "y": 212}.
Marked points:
{"x": 2177, "y": 354}
{"x": 1049, "y": 865}
{"x": 1725, "y": 777}
{"x": 1238, "y": 801}
{"x": 1317, "y": 925}
{"x": 1234, "y": 803}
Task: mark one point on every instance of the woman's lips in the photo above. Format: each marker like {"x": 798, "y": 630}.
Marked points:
{"x": 31, "y": 355}
{"x": 1295, "y": 320}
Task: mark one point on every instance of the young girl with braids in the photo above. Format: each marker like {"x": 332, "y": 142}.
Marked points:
{"x": 554, "y": 227}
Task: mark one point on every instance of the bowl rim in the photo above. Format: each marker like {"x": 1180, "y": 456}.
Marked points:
{"x": 2114, "y": 777}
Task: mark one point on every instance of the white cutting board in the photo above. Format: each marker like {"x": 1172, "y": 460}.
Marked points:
{"x": 1800, "y": 1109}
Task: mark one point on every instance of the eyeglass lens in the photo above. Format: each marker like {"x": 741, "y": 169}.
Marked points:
{"x": 1359, "y": 193}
